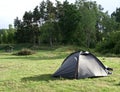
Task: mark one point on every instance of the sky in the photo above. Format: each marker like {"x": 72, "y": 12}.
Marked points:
{"x": 10, "y": 9}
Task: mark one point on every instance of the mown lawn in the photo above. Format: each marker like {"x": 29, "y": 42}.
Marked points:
{"x": 33, "y": 74}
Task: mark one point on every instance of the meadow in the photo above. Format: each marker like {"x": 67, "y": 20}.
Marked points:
{"x": 33, "y": 73}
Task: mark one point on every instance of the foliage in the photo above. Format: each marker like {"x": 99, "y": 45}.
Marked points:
{"x": 116, "y": 16}
{"x": 7, "y": 36}
{"x": 63, "y": 23}
{"x": 68, "y": 21}
{"x": 8, "y": 48}
{"x": 82, "y": 23}
{"x": 87, "y": 23}
{"x": 111, "y": 44}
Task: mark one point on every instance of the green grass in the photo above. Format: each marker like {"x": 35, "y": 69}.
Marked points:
{"x": 33, "y": 73}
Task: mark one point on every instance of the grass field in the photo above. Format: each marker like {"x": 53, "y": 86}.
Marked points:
{"x": 33, "y": 74}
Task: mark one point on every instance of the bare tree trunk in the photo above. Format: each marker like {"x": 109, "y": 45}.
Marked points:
{"x": 34, "y": 39}
{"x": 88, "y": 39}
{"x": 39, "y": 40}
{"x": 51, "y": 44}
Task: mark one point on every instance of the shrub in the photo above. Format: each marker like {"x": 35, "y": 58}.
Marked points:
{"x": 116, "y": 49}
{"x": 9, "y": 48}
{"x": 111, "y": 44}
{"x": 25, "y": 51}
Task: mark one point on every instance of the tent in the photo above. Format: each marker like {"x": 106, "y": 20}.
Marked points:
{"x": 82, "y": 64}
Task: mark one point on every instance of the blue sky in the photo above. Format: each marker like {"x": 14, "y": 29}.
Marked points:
{"x": 10, "y": 9}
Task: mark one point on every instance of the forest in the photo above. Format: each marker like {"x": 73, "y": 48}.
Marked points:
{"x": 83, "y": 23}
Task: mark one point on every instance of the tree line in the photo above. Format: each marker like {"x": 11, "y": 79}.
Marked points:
{"x": 7, "y": 35}
{"x": 82, "y": 23}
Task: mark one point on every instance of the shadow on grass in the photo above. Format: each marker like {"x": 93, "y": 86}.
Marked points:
{"x": 118, "y": 84}
{"x": 44, "y": 77}
{"x": 37, "y": 58}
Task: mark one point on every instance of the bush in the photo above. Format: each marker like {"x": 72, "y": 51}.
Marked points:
{"x": 116, "y": 49}
{"x": 111, "y": 44}
{"x": 9, "y": 48}
{"x": 105, "y": 46}
{"x": 25, "y": 51}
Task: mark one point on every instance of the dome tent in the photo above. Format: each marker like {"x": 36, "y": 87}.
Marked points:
{"x": 82, "y": 65}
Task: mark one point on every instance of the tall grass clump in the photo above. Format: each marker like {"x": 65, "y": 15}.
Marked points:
{"x": 25, "y": 51}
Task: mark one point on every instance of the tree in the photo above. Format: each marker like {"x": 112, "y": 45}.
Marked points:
{"x": 87, "y": 23}
{"x": 28, "y": 18}
{"x": 68, "y": 21}
{"x": 83, "y": 23}
{"x": 49, "y": 20}
{"x": 17, "y": 23}
{"x": 11, "y": 34}
{"x": 35, "y": 26}
{"x": 42, "y": 9}
{"x": 111, "y": 44}
{"x": 5, "y": 36}
{"x": 47, "y": 33}
{"x": 116, "y": 15}
{"x": 19, "y": 34}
